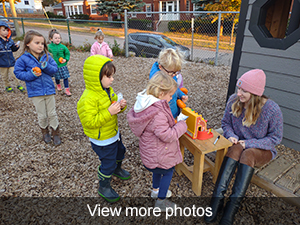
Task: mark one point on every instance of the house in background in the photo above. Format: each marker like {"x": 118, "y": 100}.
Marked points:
{"x": 57, "y": 9}
{"x": 72, "y": 7}
{"x": 27, "y": 6}
{"x": 268, "y": 38}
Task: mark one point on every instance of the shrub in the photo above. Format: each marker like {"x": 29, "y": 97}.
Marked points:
{"x": 52, "y": 15}
{"x": 116, "y": 50}
{"x": 80, "y": 17}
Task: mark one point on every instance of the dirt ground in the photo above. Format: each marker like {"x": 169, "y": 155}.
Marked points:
{"x": 31, "y": 168}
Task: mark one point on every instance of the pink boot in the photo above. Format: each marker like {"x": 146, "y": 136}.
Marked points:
{"x": 58, "y": 87}
{"x": 67, "y": 92}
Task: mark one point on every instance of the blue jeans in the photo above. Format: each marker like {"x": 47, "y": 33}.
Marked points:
{"x": 109, "y": 155}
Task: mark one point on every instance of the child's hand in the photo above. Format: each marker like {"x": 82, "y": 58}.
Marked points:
{"x": 233, "y": 140}
{"x": 114, "y": 108}
{"x": 64, "y": 60}
{"x": 184, "y": 98}
{"x": 123, "y": 103}
{"x": 37, "y": 71}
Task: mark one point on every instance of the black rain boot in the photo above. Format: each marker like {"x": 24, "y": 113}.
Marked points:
{"x": 119, "y": 172}
{"x": 106, "y": 191}
{"x": 241, "y": 183}
{"x": 46, "y": 135}
{"x": 225, "y": 175}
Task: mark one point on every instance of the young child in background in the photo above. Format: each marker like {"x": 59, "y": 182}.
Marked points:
{"x": 61, "y": 55}
{"x": 100, "y": 47}
{"x": 36, "y": 67}
{"x": 97, "y": 108}
{"x": 170, "y": 62}
{"x": 7, "y": 60}
{"x": 152, "y": 122}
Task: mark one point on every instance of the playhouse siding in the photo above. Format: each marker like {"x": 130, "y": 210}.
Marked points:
{"x": 282, "y": 68}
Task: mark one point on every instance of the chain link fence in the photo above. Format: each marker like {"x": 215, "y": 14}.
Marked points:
{"x": 207, "y": 37}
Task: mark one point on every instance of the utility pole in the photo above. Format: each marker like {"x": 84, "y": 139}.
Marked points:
{"x": 14, "y": 14}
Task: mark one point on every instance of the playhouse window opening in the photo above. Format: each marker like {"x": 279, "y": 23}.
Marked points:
{"x": 277, "y": 17}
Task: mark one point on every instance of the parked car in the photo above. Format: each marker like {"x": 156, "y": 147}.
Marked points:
{"x": 149, "y": 45}
{"x": 10, "y": 24}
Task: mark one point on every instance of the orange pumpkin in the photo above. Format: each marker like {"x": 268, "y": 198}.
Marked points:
{"x": 180, "y": 104}
{"x": 113, "y": 102}
{"x": 36, "y": 70}
{"x": 184, "y": 90}
{"x": 61, "y": 59}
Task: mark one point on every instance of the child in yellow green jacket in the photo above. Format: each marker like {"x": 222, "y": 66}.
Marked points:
{"x": 61, "y": 55}
{"x": 97, "y": 108}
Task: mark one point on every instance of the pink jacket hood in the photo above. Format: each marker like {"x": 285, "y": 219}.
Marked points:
{"x": 151, "y": 120}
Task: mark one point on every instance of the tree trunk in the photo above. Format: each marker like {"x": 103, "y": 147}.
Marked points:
{"x": 231, "y": 35}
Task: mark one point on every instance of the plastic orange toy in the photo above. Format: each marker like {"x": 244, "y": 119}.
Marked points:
{"x": 184, "y": 90}
{"x": 36, "y": 70}
{"x": 180, "y": 104}
{"x": 61, "y": 59}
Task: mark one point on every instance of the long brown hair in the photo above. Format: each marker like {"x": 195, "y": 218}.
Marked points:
{"x": 29, "y": 37}
{"x": 253, "y": 109}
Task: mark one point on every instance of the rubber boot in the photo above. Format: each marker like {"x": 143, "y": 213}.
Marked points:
{"x": 119, "y": 172}
{"x": 46, "y": 135}
{"x": 241, "y": 183}
{"x": 55, "y": 136}
{"x": 106, "y": 191}
{"x": 58, "y": 86}
{"x": 225, "y": 175}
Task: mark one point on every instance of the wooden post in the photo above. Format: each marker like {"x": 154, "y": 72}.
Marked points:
{"x": 14, "y": 14}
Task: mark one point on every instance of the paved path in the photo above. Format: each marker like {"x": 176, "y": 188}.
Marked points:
{"x": 79, "y": 38}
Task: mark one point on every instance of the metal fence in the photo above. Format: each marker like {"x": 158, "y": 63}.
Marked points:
{"x": 207, "y": 37}
{"x": 76, "y": 32}
{"x": 210, "y": 36}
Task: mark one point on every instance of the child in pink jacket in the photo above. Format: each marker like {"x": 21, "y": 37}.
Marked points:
{"x": 100, "y": 47}
{"x": 151, "y": 120}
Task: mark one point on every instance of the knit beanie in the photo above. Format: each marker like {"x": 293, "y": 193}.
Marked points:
{"x": 253, "y": 81}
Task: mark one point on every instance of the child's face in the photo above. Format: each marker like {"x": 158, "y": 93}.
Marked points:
{"x": 100, "y": 39}
{"x": 107, "y": 81}
{"x": 56, "y": 39}
{"x": 36, "y": 46}
{"x": 169, "y": 70}
{"x": 167, "y": 96}
{"x": 3, "y": 32}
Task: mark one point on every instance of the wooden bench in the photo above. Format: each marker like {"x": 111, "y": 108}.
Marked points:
{"x": 199, "y": 148}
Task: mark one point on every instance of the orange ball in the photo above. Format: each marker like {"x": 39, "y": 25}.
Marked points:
{"x": 36, "y": 70}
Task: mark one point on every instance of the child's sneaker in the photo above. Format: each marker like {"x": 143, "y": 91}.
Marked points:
{"x": 67, "y": 92}
{"x": 154, "y": 194}
{"x": 58, "y": 87}
{"x": 9, "y": 89}
{"x": 165, "y": 205}
{"x": 22, "y": 89}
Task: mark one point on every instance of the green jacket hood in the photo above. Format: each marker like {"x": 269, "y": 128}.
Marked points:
{"x": 91, "y": 72}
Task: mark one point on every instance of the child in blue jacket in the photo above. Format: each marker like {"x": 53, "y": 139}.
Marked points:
{"x": 36, "y": 67}
{"x": 170, "y": 61}
{"x": 7, "y": 60}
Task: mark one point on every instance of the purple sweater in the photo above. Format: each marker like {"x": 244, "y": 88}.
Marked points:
{"x": 265, "y": 134}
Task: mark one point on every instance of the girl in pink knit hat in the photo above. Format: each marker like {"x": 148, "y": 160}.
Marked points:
{"x": 254, "y": 125}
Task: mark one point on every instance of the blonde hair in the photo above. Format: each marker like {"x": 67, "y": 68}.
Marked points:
{"x": 170, "y": 57}
{"x": 160, "y": 83}
{"x": 98, "y": 34}
{"x": 29, "y": 37}
{"x": 252, "y": 111}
